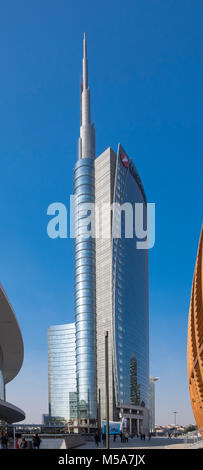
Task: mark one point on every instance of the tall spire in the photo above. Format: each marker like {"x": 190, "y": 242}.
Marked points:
{"x": 87, "y": 131}
{"x": 85, "y": 63}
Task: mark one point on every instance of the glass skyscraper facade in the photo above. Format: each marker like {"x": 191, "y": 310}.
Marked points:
{"x": 130, "y": 294}
{"x": 62, "y": 372}
{"x": 85, "y": 291}
{"x": 122, "y": 291}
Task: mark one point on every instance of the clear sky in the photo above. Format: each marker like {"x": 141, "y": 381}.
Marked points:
{"x": 146, "y": 75}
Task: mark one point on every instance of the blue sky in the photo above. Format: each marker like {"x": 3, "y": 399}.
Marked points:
{"x": 146, "y": 74}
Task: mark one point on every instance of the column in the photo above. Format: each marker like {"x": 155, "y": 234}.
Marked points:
{"x": 130, "y": 425}
{"x": 138, "y": 426}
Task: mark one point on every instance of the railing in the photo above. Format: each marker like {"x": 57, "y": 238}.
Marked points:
{"x": 192, "y": 438}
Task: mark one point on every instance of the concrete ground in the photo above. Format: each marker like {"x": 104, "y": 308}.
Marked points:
{"x": 137, "y": 443}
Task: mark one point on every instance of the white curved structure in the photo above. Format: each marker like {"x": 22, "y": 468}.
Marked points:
{"x": 11, "y": 357}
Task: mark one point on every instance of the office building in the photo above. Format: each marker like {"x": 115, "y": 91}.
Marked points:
{"x": 62, "y": 373}
{"x": 121, "y": 294}
{"x": 11, "y": 358}
{"x": 195, "y": 339}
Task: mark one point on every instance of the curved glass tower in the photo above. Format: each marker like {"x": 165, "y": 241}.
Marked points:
{"x": 130, "y": 295}
{"x": 84, "y": 258}
{"x": 122, "y": 293}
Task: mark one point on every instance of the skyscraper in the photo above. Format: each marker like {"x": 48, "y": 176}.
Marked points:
{"x": 195, "y": 339}
{"x": 110, "y": 282}
{"x": 62, "y": 373}
{"x": 121, "y": 292}
{"x": 84, "y": 259}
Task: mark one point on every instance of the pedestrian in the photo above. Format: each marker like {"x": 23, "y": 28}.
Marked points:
{"x": 96, "y": 438}
{"x": 36, "y": 441}
{"x": 16, "y": 444}
{"x": 23, "y": 444}
{"x": 126, "y": 437}
{"x": 3, "y": 441}
{"x": 104, "y": 438}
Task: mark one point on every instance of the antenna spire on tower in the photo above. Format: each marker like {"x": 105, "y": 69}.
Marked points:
{"x": 85, "y": 63}
{"x": 87, "y": 131}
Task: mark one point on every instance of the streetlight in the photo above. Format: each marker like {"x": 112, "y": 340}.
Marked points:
{"x": 175, "y": 413}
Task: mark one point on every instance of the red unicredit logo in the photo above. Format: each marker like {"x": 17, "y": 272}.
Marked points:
{"x": 124, "y": 160}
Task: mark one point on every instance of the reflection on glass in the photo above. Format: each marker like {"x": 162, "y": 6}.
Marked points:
{"x": 62, "y": 372}
{"x": 134, "y": 386}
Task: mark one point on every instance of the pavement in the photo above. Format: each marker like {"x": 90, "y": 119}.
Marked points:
{"x": 137, "y": 443}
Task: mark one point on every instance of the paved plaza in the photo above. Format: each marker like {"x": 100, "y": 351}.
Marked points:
{"x": 137, "y": 443}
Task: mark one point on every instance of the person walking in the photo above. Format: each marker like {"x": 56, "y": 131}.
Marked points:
{"x": 36, "y": 441}
{"x": 96, "y": 438}
{"x": 23, "y": 444}
{"x": 104, "y": 438}
{"x": 16, "y": 444}
{"x": 4, "y": 440}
